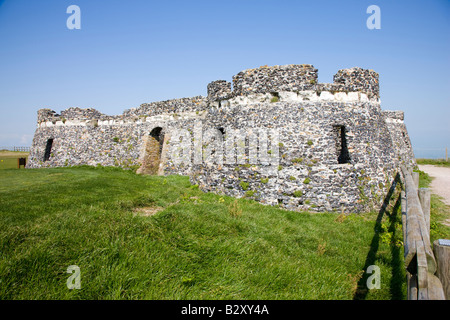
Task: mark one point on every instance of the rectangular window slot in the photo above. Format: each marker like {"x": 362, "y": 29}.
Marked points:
{"x": 48, "y": 149}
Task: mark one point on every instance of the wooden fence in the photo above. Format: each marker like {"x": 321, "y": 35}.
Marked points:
{"x": 21, "y": 149}
{"x": 420, "y": 261}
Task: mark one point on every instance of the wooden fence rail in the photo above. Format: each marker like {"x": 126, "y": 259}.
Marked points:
{"x": 21, "y": 149}
{"x": 420, "y": 261}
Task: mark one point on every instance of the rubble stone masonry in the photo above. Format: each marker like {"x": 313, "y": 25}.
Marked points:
{"x": 276, "y": 135}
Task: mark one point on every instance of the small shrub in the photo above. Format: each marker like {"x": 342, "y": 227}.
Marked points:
{"x": 274, "y": 99}
{"x": 264, "y": 180}
{"x": 244, "y": 185}
{"x": 250, "y": 193}
{"x": 306, "y": 181}
{"x": 297, "y": 193}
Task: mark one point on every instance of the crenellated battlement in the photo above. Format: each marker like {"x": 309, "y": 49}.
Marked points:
{"x": 275, "y": 79}
{"x": 294, "y": 78}
{"x": 357, "y": 79}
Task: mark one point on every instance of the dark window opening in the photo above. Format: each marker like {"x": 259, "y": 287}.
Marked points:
{"x": 48, "y": 149}
{"x": 341, "y": 145}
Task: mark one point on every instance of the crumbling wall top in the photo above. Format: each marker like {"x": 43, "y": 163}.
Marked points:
{"x": 180, "y": 105}
{"x": 394, "y": 114}
{"x": 81, "y": 114}
{"x": 274, "y": 79}
{"x": 357, "y": 79}
{"x": 219, "y": 90}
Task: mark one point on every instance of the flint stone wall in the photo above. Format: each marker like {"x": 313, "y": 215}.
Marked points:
{"x": 400, "y": 138}
{"x": 308, "y": 175}
{"x": 297, "y": 169}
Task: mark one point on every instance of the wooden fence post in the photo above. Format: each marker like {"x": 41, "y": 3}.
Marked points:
{"x": 442, "y": 255}
{"x": 425, "y": 202}
{"x": 403, "y": 205}
{"x": 419, "y": 258}
{"x": 415, "y": 176}
{"x": 413, "y": 291}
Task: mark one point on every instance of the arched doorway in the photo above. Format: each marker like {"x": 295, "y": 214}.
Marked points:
{"x": 153, "y": 145}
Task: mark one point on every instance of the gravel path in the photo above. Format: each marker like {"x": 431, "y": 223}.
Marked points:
{"x": 440, "y": 185}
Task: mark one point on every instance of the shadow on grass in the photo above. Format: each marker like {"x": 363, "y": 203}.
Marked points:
{"x": 397, "y": 278}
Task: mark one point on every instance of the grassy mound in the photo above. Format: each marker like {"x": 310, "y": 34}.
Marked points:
{"x": 152, "y": 237}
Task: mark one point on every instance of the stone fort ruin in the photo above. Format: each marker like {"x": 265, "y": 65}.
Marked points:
{"x": 276, "y": 135}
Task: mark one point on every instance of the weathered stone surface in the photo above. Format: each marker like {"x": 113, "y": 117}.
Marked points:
{"x": 400, "y": 138}
{"x": 274, "y": 79}
{"x": 219, "y": 90}
{"x": 357, "y": 79}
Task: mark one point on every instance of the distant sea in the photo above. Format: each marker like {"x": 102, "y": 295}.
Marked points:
{"x": 424, "y": 153}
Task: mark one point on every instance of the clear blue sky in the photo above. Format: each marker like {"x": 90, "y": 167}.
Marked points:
{"x": 131, "y": 52}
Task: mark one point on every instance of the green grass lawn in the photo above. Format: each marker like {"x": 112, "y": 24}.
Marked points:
{"x": 436, "y": 162}
{"x": 153, "y": 237}
{"x": 8, "y": 159}
{"x": 8, "y": 163}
